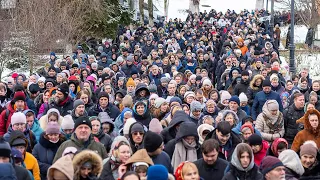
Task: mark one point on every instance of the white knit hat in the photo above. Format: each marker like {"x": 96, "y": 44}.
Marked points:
{"x": 225, "y": 95}
{"x": 127, "y": 125}
{"x": 158, "y": 102}
{"x": 67, "y": 122}
{"x": 18, "y": 117}
{"x": 207, "y": 82}
{"x": 243, "y": 97}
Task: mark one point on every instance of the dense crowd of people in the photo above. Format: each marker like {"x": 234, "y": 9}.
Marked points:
{"x": 206, "y": 98}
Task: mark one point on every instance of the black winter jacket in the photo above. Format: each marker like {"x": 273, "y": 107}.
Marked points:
{"x": 291, "y": 115}
{"x": 236, "y": 174}
{"x": 111, "y": 109}
{"x": 211, "y": 172}
{"x": 65, "y": 108}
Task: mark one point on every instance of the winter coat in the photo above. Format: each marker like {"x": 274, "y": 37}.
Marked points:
{"x": 290, "y": 116}
{"x": 28, "y": 134}
{"x": 127, "y": 69}
{"x": 237, "y": 172}
{"x": 64, "y": 165}
{"x": 312, "y": 172}
{"x": 207, "y": 171}
{"x": 5, "y": 121}
{"x": 64, "y": 108}
{"x": 260, "y": 99}
{"x": 240, "y": 113}
{"x": 262, "y": 153}
{"x": 269, "y": 128}
{"x": 253, "y": 89}
{"x": 7, "y": 172}
{"x": 225, "y": 151}
{"x": 22, "y": 173}
{"x": 273, "y": 147}
{"x": 36, "y": 129}
{"x": 105, "y": 139}
{"x": 134, "y": 147}
{"x": 118, "y": 123}
{"x": 111, "y": 109}
{"x": 32, "y": 165}
{"x": 242, "y": 87}
{"x": 44, "y": 152}
{"x": 155, "y": 78}
{"x": 169, "y": 132}
{"x": 43, "y": 121}
{"x": 308, "y": 133}
{"x": 139, "y": 156}
{"x": 186, "y": 129}
{"x": 75, "y": 117}
{"x": 143, "y": 119}
{"x": 83, "y": 157}
{"x": 163, "y": 159}
{"x": 90, "y": 145}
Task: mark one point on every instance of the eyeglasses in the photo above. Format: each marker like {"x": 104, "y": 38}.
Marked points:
{"x": 138, "y": 133}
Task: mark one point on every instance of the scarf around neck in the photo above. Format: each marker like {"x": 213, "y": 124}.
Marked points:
{"x": 184, "y": 152}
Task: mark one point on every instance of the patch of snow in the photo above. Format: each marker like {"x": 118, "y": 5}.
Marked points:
{"x": 300, "y": 33}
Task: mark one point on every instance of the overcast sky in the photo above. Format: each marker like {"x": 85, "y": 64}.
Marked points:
{"x": 219, "y": 5}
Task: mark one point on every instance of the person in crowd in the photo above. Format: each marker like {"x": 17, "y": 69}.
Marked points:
{"x": 87, "y": 165}
{"x": 203, "y": 130}
{"x": 61, "y": 169}
{"x": 259, "y": 148}
{"x": 210, "y": 163}
{"x": 67, "y": 127}
{"x": 141, "y": 113}
{"x": 53, "y": 115}
{"x": 78, "y": 109}
{"x": 231, "y": 117}
{"x": 103, "y": 105}
{"x": 158, "y": 172}
{"x": 290, "y": 115}
{"x": 310, "y": 132}
{"x": 195, "y": 111}
{"x": 62, "y": 101}
{"x": 272, "y": 168}
{"x": 187, "y": 170}
{"x": 234, "y": 105}
{"x": 270, "y": 121}
{"x": 98, "y": 133}
{"x": 33, "y": 123}
{"x": 82, "y": 138}
{"x": 139, "y": 162}
{"x": 254, "y": 87}
{"x": 227, "y": 139}
{"x": 277, "y": 146}
{"x": 309, "y": 157}
{"x": 242, "y": 164}
{"x": 136, "y": 136}
{"x": 292, "y": 164}
{"x": 45, "y": 150}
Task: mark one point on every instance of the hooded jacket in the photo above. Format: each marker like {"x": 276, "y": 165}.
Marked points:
{"x": 36, "y": 129}
{"x": 44, "y": 152}
{"x": 262, "y": 153}
{"x": 290, "y": 116}
{"x": 143, "y": 119}
{"x": 83, "y": 157}
{"x": 308, "y": 133}
{"x": 139, "y": 156}
{"x": 237, "y": 172}
{"x": 7, "y": 172}
{"x": 118, "y": 123}
{"x": 44, "y": 119}
{"x": 28, "y": 134}
{"x": 140, "y": 87}
{"x": 273, "y": 150}
{"x": 64, "y": 165}
{"x": 135, "y": 147}
{"x": 202, "y": 128}
{"x": 74, "y": 142}
{"x": 291, "y": 161}
{"x": 169, "y": 132}
{"x": 104, "y": 139}
{"x": 235, "y": 116}
{"x": 253, "y": 89}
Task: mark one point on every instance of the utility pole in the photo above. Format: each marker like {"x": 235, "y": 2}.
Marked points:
{"x": 265, "y": 14}
{"x": 292, "y": 64}
{"x": 271, "y": 25}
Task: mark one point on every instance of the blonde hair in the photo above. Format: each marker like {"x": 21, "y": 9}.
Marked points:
{"x": 187, "y": 167}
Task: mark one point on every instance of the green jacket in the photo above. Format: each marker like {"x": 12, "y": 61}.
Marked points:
{"x": 74, "y": 142}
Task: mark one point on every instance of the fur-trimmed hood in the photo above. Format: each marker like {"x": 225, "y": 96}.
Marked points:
{"x": 83, "y": 157}
{"x": 306, "y": 122}
{"x": 256, "y": 77}
{"x": 224, "y": 114}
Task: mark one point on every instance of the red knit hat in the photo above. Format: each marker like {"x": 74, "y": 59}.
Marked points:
{"x": 19, "y": 95}
{"x": 269, "y": 163}
{"x": 248, "y": 126}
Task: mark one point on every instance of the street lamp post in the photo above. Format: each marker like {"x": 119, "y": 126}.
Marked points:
{"x": 265, "y": 14}
{"x": 292, "y": 64}
{"x": 271, "y": 25}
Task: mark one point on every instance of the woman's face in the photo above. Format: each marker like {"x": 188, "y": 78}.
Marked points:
{"x": 214, "y": 96}
{"x": 84, "y": 74}
{"x": 164, "y": 107}
{"x": 245, "y": 159}
{"x": 124, "y": 153}
{"x": 46, "y": 97}
{"x": 20, "y": 79}
{"x": 289, "y": 85}
{"x": 140, "y": 109}
{"x": 258, "y": 82}
{"x": 32, "y": 79}
{"x": 186, "y": 110}
{"x": 52, "y": 118}
{"x": 59, "y": 79}
{"x": 84, "y": 98}
{"x": 72, "y": 87}
{"x": 313, "y": 100}
{"x": 230, "y": 119}
{"x": 310, "y": 106}
{"x": 41, "y": 84}
{"x": 106, "y": 128}
{"x": 307, "y": 160}
{"x": 191, "y": 174}
{"x": 107, "y": 89}
{"x": 95, "y": 126}
{"x": 182, "y": 91}
{"x": 193, "y": 80}
{"x": 207, "y": 87}
{"x": 316, "y": 86}
{"x": 152, "y": 101}
{"x": 86, "y": 85}
{"x": 53, "y": 137}
{"x": 84, "y": 171}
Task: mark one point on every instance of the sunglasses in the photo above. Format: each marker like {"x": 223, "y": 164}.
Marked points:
{"x": 138, "y": 133}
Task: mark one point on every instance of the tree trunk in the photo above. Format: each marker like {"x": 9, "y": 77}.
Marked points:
{"x": 141, "y": 10}
{"x": 194, "y": 6}
{"x": 150, "y": 9}
{"x": 166, "y": 8}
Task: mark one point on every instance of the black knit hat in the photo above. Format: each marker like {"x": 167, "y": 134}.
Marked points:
{"x": 64, "y": 88}
{"x": 266, "y": 83}
{"x": 152, "y": 141}
{"x": 255, "y": 139}
{"x": 82, "y": 120}
{"x": 5, "y": 149}
{"x": 103, "y": 94}
{"x": 245, "y": 73}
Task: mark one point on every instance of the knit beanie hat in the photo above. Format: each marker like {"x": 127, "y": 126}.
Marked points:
{"x": 245, "y": 73}
{"x": 266, "y": 83}
{"x": 157, "y": 172}
{"x": 274, "y": 76}
{"x": 164, "y": 80}
{"x": 152, "y": 141}
{"x": 130, "y": 82}
{"x": 19, "y": 95}
{"x": 152, "y": 88}
{"x": 243, "y": 97}
{"x": 158, "y": 102}
{"x": 103, "y": 94}
{"x": 235, "y": 99}
{"x": 225, "y": 95}
{"x": 207, "y": 82}
{"x": 272, "y": 105}
{"x": 67, "y": 122}
{"x": 18, "y": 117}
{"x": 291, "y": 160}
{"x": 195, "y": 106}
{"x": 255, "y": 139}
{"x": 308, "y": 148}
{"x": 175, "y": 99}
{"x": 53, "y": 128}
{"x": 155, "y": 126}
{"x": 247, "y": 126}
{"x": 153, "y": 96}
{"x": 5, "y": 149}
{"x": 189, "y": 93}
{"x": 17, "y": 155}
{"x": 77, "y": 103}
{"x": 64, "y": 88}
{"x": 136, "y": 127}
{"x": 127, "y": 125}
{"x": 269, "y": 163}
{"x": 82, "y": 120}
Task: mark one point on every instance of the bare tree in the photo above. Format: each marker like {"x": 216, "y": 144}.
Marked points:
{"x": 141, "y": 10}
{"x": 150, "y": 10}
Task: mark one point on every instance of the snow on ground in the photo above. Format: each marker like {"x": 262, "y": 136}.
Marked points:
{"x": 300, "y": 33}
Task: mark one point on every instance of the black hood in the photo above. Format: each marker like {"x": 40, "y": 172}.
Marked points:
{"x": 17, "y": 135}
{"x": 140, "y": 87}
{"x": 179, "y": 117}
{"x": 187, "y": 129}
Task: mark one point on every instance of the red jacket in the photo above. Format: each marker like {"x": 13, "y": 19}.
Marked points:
{"x": 5, "y": 125}
{"x": 262, "y": 153}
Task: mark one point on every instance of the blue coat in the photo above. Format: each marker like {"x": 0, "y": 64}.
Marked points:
{"x": 44, "y": 152}
{"x": 259, "y": 100}
{"x": 36, "y": 129}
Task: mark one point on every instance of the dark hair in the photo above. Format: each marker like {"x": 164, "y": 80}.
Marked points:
{"x": 296, "y": 95}
{"x": 289, "y": 81}
{"x": 303, "y": 79}
{"x": 242, "y": 148}
{"x": 282, "y": 145}
{"x": 224, "y": 127}
{"x": 128, "y": 173}
{"x": 209, "y": 145}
